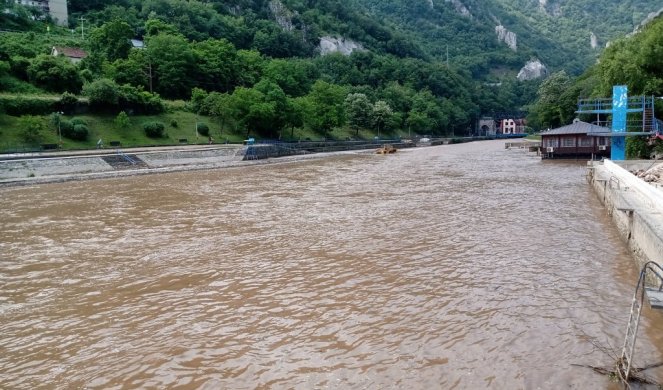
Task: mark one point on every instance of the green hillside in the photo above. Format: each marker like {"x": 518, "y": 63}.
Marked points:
{"x": 257, "y": 67}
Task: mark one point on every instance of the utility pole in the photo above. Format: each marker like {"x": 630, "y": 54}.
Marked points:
{"x": 82, "y": 20}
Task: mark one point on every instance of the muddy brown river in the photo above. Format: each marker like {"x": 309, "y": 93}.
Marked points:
{"x": 452, "y": 267}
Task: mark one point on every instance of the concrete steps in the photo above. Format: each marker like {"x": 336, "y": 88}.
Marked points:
{"x": 119, "y": 162}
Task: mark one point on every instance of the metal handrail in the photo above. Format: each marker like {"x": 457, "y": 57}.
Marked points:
{"x": 636, "y": 306}
{"x": 126, "y": 157}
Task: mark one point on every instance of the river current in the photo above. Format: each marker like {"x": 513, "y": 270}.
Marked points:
{"x": 453, "y": 267}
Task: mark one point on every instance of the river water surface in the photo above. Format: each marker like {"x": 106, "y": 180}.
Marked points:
{"x": 463, "y": 266}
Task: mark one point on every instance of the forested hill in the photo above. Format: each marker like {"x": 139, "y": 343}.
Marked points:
{"x": 430, "y": 66}
{"x": 562, "y": 34}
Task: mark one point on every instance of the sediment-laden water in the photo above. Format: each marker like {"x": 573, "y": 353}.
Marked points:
{"x": 464, "y": 266}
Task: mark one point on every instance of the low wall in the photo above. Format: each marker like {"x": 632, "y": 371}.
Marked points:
{"x": 635, "y": 206}
{"x": 261, "y": 151}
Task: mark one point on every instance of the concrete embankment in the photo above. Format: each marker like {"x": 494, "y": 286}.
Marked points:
{"x": 36, "y": 168}
{"x": 636, "y": 207}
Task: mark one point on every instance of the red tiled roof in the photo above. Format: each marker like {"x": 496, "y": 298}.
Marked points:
{"x": 71, "y": 52}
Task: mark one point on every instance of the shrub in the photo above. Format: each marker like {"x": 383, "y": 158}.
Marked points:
{"x": 31, "y": 128}
{"x": 19, "y": 106}
{"x": 66, "y": 127}
{"x": 19, "y": 67}
{"x": 102, "y": 92}
{"x": 203, "y": 129}
{"x": 75, "y": 131}
{"x": 79, "y": 133}
{"x": 122, "y": 120}
{"x": 56, "y": 74}
{"x": 173, "y": 123}
{"x": 154, "y": 129}
{"x": 68, "y": 102}
{"x": 139, "y": 101}
{"x": 78, "y": 121}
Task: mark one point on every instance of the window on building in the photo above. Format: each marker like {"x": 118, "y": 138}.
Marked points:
{"x": 568, "y": 142}
{"x": 586, "y": 141}
{"x": 551, "y": 142}
{"x": 602, "y": 141}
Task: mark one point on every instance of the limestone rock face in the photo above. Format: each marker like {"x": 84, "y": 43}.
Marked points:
{"x": 648, "y": 19}
{"x": 460, "y": 7}
{"x": 430, "y": 4}
{"x": 282, "y": 15}
{"x": 508, "y": 37}
{"x": 593, "y": 41}
{"x": 330, "y": 45}
{"x": 532, "y": 70}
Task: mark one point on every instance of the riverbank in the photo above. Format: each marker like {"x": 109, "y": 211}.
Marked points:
{"x": 61, "y": 166}
{"x": 635, "y": 206}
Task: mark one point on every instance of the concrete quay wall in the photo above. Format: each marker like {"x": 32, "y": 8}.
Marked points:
{"x": 636, "y": 208}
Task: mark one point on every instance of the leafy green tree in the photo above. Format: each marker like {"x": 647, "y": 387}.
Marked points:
{"x": 427, "y": 115}
{"x": 549, "y": 107}
{"x": 294, "y": 76}
{"x": 382, "y": 114}
{"x": 134, "y": 70}
{"x": 262, "y": 109}
{"x": 55, "y": 74}
{"x": 637, "y": 148}
{"x": 112, "y": 39}
{"x": 359, "y": 111}
{"x": 154, "y": 26}
{"x": 173, "y": 64}
{"x": 251, "y": 110}
{"x": 218, "y": 65}
{"x": 326, "y": 106}
{"x": 251, "y": 67}
{"x": 102, "y": 92}
{"x": 220, "y": 105}
{"x": 295, "y": 114}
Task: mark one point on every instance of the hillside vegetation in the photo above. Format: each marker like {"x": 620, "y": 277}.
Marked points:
{"x": 253, "y": 67}
{"x": 635, "y": 61}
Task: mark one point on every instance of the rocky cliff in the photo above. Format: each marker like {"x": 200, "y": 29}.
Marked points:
{"x": 506, "y": 36}
{"x": 533, "y": 69}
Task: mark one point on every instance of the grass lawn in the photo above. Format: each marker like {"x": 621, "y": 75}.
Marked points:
{"x": 179, "y": 125}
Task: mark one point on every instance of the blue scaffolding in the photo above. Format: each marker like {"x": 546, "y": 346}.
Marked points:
{"x": 621, "y": 127}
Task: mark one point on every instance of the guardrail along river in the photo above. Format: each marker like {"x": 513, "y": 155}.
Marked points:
{"x": 462, "y": 266}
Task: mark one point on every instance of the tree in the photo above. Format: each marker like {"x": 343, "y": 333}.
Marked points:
{"x": 549, "y": 107}
{"x": 112, "y": 39}
{"x": 359, "y": 111}
{"x": 134, "y": 70}
{"x": 294, "y": 76}
{"x": 637, "y": 148}
{"x": 251, "y": 110}
{"x": 295, "y": 114}
{"x": 218, "y": 67}
{"x": 382, "y": 113}
{"x": 102, "y": 92}
{"x": 173, "y": 64}
{"x": 326, "y": 106}
{"x": 55, "y": 74}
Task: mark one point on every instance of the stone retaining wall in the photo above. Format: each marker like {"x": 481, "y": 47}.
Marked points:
{"x": 636, "y": 208}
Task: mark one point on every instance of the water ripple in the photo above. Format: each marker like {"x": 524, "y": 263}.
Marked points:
{"x": 458, "y": 266}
